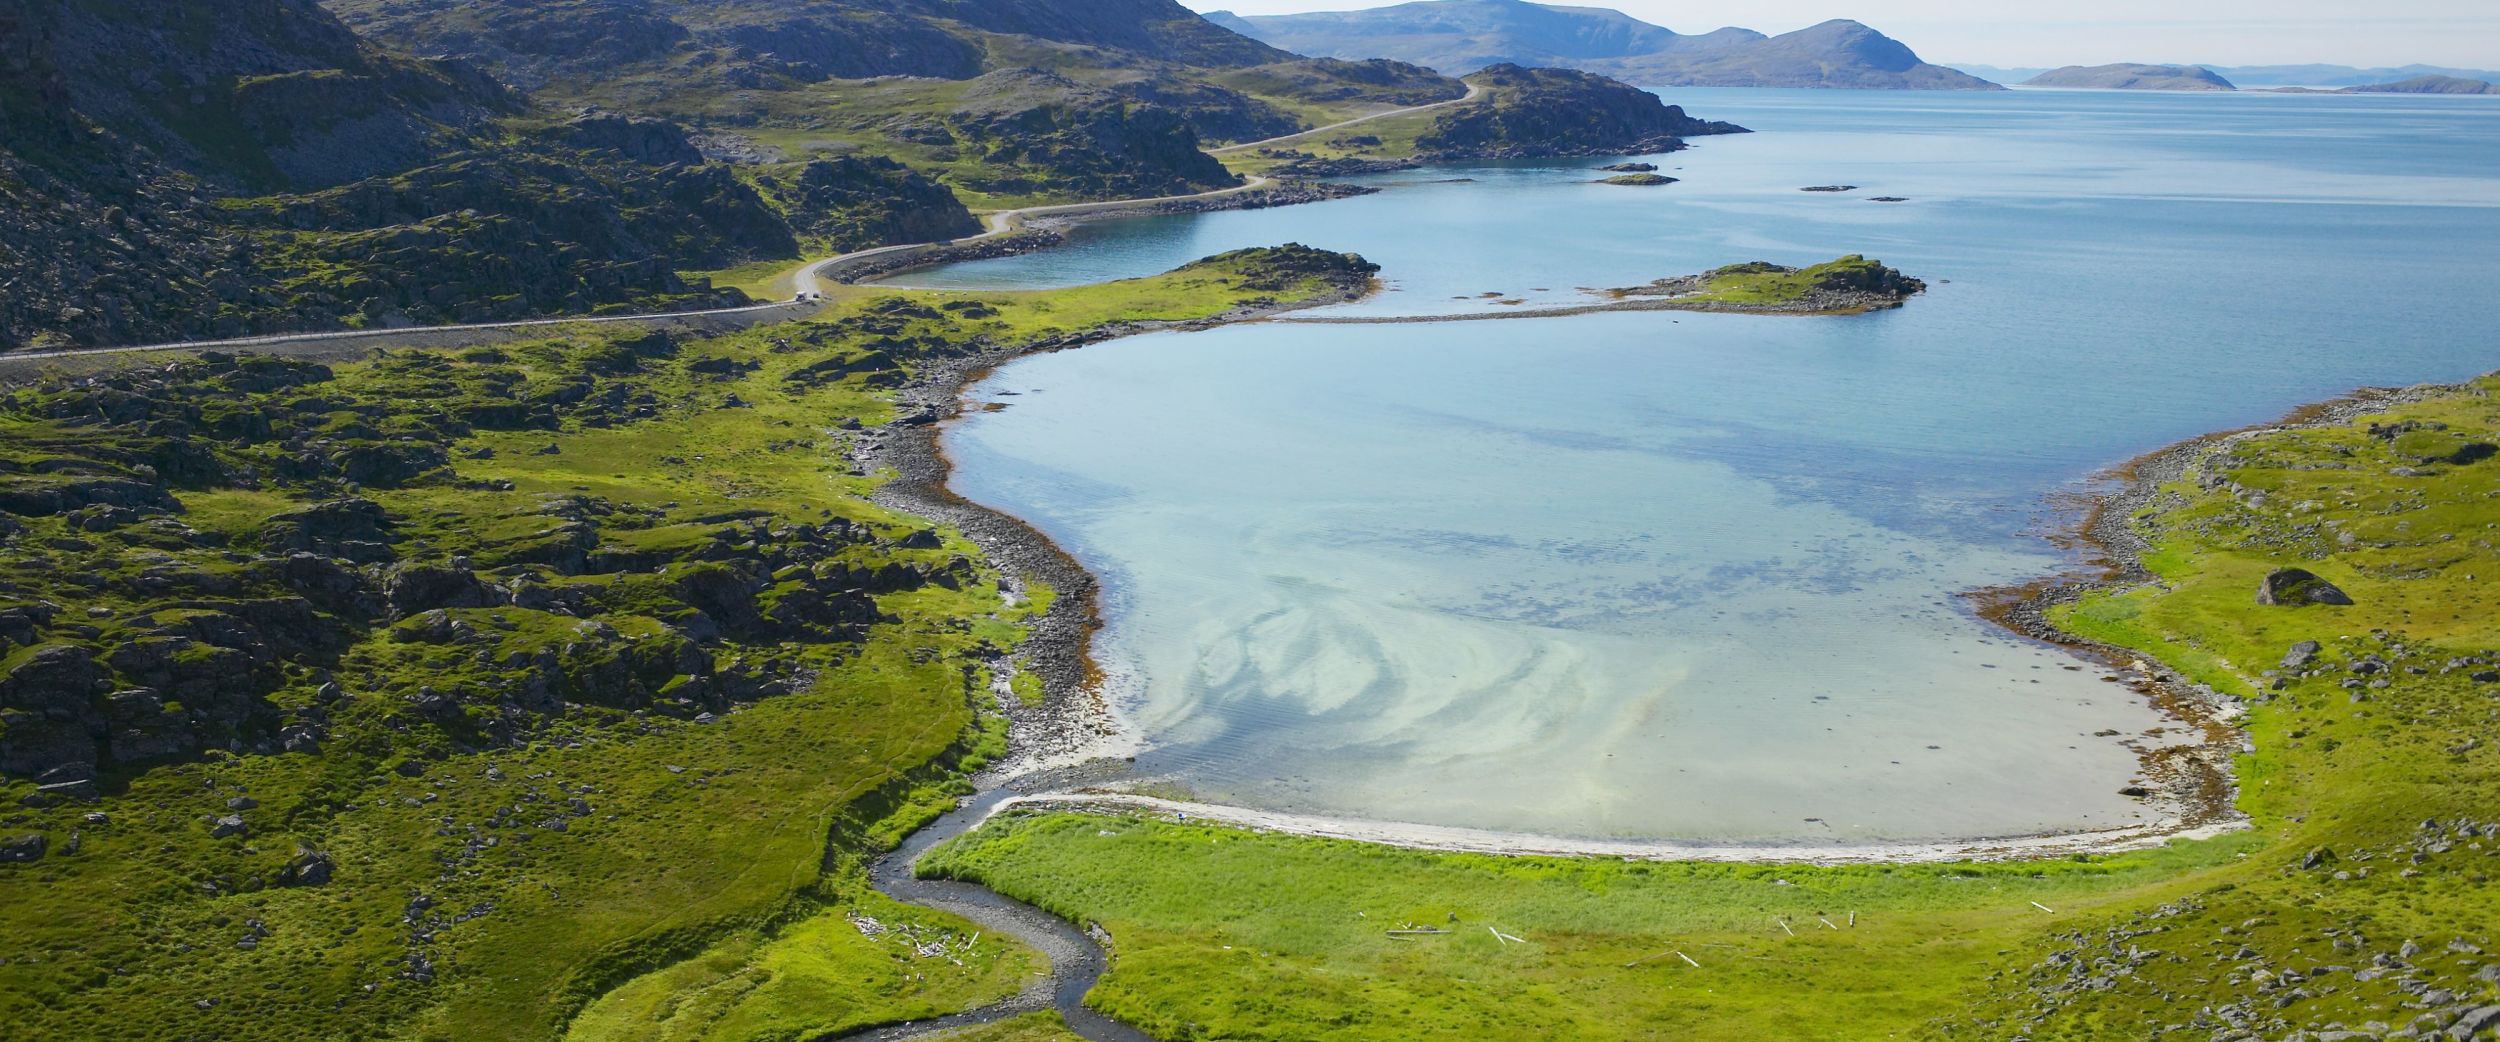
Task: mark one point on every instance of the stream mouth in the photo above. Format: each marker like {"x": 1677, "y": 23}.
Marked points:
{"x": 1076, "y": 960}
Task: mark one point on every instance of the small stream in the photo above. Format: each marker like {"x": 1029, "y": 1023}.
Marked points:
{"x": 1076, "y": 960}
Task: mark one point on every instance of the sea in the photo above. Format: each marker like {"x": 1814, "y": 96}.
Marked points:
{"x": 1703, "y": 577}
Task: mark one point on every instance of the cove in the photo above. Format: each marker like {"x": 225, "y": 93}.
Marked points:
{"x": 1696, "y": 576}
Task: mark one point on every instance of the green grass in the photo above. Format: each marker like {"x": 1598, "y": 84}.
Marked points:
{"x": 762, "y": 280}
{"x": 1031, "y": 1027}
{"x": 1771, "y": 284}
{"x": 1221, "y": 933}
{"x": 822, "y": 975}
{"x": 1225, "y": 934}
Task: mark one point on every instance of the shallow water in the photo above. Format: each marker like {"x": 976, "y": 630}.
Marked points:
{"x": 1691, "y": 576}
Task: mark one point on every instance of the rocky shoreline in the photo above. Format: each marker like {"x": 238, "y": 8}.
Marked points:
{"x": 2195, "y": 780}
{"x": 1074, "y": 723}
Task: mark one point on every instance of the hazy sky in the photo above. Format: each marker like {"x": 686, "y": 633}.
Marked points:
{"x": 2028, "y": 32}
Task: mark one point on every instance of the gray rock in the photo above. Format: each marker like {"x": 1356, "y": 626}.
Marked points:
{"x": 2474, "y": 1021}
{"x": 311, "y": 868}
{"x": 29, "y": 847}
{"x": 2292, "y": 587}
{"x": 2301, "y": 655}
{"x": 229, "y": 825}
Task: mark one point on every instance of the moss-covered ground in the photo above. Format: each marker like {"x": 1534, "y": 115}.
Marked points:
{"x": 556, "y": 686}
{"x": 2361, "y": 901}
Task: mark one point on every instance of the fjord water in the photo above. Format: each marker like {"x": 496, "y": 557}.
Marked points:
{"x": 1698, "y": 577}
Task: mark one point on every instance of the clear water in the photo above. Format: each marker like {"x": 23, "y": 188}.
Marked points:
{"x": 1696, "y": 577}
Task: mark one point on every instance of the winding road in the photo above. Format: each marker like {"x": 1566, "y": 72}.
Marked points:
{"x": 1473, "y": 92}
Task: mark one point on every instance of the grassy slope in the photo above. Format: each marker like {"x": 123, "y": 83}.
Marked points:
{"x": 1228, "y": 934}
{"x": 135, "y": 935}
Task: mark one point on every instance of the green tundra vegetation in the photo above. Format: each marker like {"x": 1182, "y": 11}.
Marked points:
{"x": 2360, "y": 900}
{"x": 554, "y": 685}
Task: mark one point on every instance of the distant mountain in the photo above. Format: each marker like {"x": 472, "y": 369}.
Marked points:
{"x": 2338, "y": 75}
{"x": 2132, "y": 77}
{"x": 1458, "y": 36}
{"x": 2427, "y": 85}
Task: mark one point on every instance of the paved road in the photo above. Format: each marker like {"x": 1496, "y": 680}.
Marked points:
{"x": 809, "y": 277}
{"x": 1473, "y": 92}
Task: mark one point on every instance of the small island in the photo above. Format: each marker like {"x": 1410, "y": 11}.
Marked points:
{"x": 1629, "y": 168}
{"x": 1637, "y": 180}
{"x": 2128, "y": 76}
{"x": 1850, "y": 285}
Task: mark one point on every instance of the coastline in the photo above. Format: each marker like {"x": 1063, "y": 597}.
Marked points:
{"x": 1071, "y": 734}
{"x": 1066, "y": 751}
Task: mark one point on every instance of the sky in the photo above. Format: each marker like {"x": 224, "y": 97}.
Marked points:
{"x": 2073, "y": 32}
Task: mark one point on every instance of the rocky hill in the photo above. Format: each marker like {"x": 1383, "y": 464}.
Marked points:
{"x": 182, "y": 170}
{"x": 759, "y": 43}
{"x": 1560, "y": 112}
{"x": 1457, "y": 36}
{"x": 2132, "y": 77}
{"x": 259, "y": 95}
{"x": 1016, "y": 98}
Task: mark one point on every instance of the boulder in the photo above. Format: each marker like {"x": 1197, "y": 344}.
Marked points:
{"x": 2301, "y": 655}
{"x": 311, "y": 868}
{"x": 227, "y": 825}
{"x": 29, "y": 847}
{"x": 355, "y": 529}
{"x": 2292, "y": 587}
{"x": 420, "y": 588}
{"x": 2473, "y": 1021}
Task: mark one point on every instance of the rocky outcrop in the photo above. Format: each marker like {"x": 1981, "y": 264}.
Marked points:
{"x": 649, "y": 141}
{"x": 481, "y": 635}
{"x": 856, "y": 202}
{"x": 1559, "y": 112}
{"x": 1047, "y": 132}
{"x": 2294, "y": 587}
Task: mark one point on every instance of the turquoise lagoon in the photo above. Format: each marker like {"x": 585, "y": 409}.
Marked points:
{"x": 1700, "y": 577}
